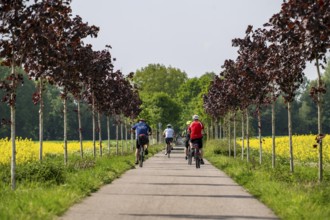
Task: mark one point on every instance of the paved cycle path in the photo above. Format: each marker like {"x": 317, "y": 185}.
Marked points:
{"x": 169, "y": 188}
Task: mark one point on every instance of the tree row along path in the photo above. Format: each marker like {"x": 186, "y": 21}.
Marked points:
{"x": 169, "y": 188}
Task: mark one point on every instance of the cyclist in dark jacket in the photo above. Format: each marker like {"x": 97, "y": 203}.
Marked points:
{"x": 142, "y": 130}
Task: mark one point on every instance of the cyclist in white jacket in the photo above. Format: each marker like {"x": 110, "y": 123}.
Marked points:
{"x": 169, "y": 135}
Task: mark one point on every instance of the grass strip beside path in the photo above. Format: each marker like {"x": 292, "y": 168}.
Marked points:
{"x": 46, "y": 190}
{"x": 290, "y": 196}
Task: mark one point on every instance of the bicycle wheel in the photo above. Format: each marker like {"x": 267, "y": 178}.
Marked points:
{"x": 168, "y": 150}
{"x": 197, "y": 158}
{"x": 141, "y": 156}
{"x": 189, "y": 156}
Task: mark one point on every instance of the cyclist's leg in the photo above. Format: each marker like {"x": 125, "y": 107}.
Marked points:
{"x": 137, "y": 151}
{"x": 167, "y": 141}
{"x": 146, "y": 147}
{"x": 186, "y": 145}
{"x": 186, "y": 148}
{"x": 165, "y": 146}
{"x": 200, "y": 144}
{"x": 168, "y": 145}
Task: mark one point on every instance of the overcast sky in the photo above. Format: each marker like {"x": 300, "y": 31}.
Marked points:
{"x": 192, "y": 35}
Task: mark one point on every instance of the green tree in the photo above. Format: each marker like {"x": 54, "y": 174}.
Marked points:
{"x": 326, "y": 100}
{"x": 308, "y": 109}
{"x": 158, "y": 78}
{"x": 190, "y": 97}
{"x": 158, "y": 88}
{"x": 27, "y": 112}
{"x": 204, "y": 82}
{"x": 53, "y": 108}
{"x": 4, "y": 110}
{"x": 281, "y": 118}
{"x": 187, "y": 97}
{"x": 161, "y": 108}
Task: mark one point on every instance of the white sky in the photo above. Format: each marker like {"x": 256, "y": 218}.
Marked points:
{"x": 192, "y": 35}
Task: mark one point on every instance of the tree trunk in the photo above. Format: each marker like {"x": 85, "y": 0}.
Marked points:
{"x": 132, "y": 139}
{"x": 229, "y": 136}
{"x": 220, "y": 129}
{"x": 80, "y": 131}
{"x": 290, "y": 137}
{"x": 117, "y": 144}
{"x": 242, "y": 135}
{"x": 65, "y": 130}
{"x": 41, "y": 121}
{"x": 121, "y": 138}
{"x": 126, "y": 142}
{"x": 108, "y": 129}
{"x": 247, "y": 137}
{"x": 319, "y": 121}
{"x": 13, "y": 141}
{"x": 100, "y": 132}
{"x": 234, "y": 135}
{"x": 13, "y": 128}
{"x": 273, "y": 136}
{"x": 208, "y": 133}
{"x": 211, "y": 130}
{"x": 216, "y": 129}
{"x": 224, "y": 130}
{"x": 94, "y": 125}
{"x": 260, "y": 137}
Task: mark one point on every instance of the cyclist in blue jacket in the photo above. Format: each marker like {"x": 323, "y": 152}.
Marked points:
{"x": 142, "y": 130}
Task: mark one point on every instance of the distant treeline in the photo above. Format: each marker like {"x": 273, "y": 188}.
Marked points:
{"x": 27, "y": 118}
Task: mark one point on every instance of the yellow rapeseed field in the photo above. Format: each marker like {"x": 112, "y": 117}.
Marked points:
{"x": 28, "y": 150}
{"x": 303, "y": 148}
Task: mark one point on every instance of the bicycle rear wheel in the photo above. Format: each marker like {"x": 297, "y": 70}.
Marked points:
{"x": 189, "y": 156}
{"x": 168, "y": 150}
{"x": 141, "y": 156}
{"x": 197, "y": 158}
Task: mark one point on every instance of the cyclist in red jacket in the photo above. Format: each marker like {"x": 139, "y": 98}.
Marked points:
{"x": 196, "y": 135}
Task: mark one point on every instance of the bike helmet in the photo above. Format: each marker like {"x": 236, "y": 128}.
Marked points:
{"x": 195, "y": 117}
{"x": 188, "y": 122}
{"x": 169, "y": 125}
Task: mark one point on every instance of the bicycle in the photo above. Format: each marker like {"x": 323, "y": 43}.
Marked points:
{"x": 168, "y": 148}
{"x": 197, "y": 155}
{"x": 141, "y": 155}
{"x": 190, "y": 154}
{"x": 142, "y": 142}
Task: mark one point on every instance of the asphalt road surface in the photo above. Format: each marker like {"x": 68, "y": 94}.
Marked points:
{"x": 169, "y": 188}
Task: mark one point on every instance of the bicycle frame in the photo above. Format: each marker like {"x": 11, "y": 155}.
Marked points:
{"x": 197, "y": 154}
{"x": 141, "y": 155}
{"x": 168, "y": 149}
{"x": 190, "y": 152}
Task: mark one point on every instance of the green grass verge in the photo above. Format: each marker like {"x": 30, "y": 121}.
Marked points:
{"x": 290, "y": 196}
{"x": 46, "y": 190}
